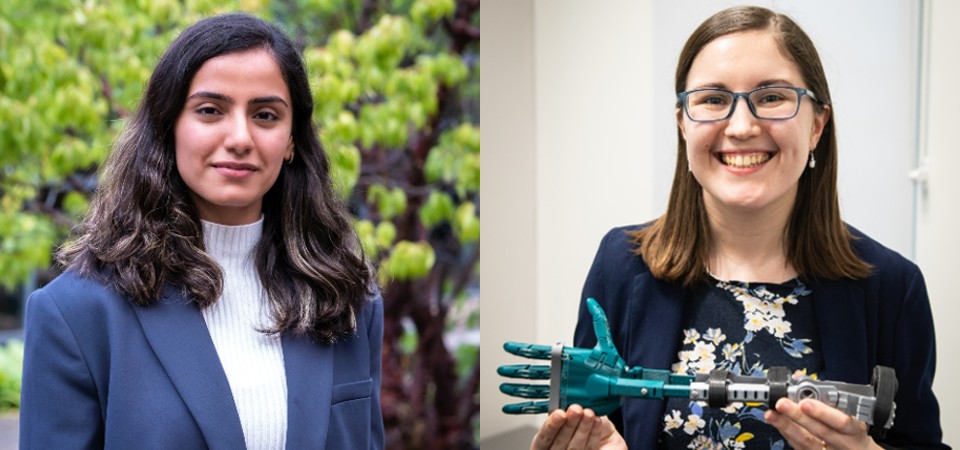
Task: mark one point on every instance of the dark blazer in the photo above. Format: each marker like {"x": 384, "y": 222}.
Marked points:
{"x": 99, "y": 372}
{"x": 884, "y": 319}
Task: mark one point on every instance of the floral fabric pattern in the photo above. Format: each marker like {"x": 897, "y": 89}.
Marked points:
{"x": 745, "y": 330}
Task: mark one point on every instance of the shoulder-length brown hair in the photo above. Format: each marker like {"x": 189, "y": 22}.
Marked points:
{"x": 676, "y": 245}
{"x": 143, "y": 232}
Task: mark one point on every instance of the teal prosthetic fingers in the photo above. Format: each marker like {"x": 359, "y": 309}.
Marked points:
{"x": 598, "y": 378}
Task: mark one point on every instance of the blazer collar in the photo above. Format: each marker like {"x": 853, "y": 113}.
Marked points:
{"x": 179, "y": 337}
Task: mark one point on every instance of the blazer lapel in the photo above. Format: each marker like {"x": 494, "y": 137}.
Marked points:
{"x": 840, "y": 312}
{"x": 178, "y": 335}
{"x": 655, "y": 317}
{"x": 309, "y": 367}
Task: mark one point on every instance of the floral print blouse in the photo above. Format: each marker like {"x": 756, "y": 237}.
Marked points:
{"x": 744, "y": 328}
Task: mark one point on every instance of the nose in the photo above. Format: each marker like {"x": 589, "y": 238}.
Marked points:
{"x": 742, "y": 124}
{"x": 238, "y": 138}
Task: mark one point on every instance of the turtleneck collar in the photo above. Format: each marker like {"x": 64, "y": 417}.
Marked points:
{"x": 231, "y": 241}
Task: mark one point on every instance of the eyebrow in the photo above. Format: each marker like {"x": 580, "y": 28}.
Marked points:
{"x": 774, "y": 82}
{"x": 770, "y": 82}
{"x": 230, "y": 100}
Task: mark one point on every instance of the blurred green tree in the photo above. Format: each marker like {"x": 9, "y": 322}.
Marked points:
{"x": 396, "y": 88}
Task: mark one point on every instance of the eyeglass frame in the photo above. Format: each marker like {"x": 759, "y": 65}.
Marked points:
{"x": 682, "y": 100}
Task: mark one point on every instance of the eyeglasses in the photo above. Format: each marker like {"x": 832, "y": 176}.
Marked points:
{"x": 768, "y": 102}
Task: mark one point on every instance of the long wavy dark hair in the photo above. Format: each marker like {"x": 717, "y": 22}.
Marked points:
{"x": 143, "y": 232}
{"x": 818, "y": 243}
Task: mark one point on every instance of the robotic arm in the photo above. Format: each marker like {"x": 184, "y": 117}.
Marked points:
{"x": 599, "y": 379}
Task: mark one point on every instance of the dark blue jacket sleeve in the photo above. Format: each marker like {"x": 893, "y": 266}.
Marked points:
{"x": 595, "y": 287}
{"x": 59, "y": 405}
{"x": 607, "y": 282}
{"x": 375, "y": 336}
{"x": 917, "y": 423}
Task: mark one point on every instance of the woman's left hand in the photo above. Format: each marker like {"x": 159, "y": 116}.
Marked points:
{"x": 812, "y": 425}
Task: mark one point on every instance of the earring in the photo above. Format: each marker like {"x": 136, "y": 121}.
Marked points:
{"x": 813, "y": 161}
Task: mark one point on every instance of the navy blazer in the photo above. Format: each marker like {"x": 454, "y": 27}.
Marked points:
{"x": 883, "y": 319}
{"x": 99, "y": 372}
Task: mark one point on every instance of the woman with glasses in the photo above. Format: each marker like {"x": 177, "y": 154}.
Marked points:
{"x": 752, "y": 267}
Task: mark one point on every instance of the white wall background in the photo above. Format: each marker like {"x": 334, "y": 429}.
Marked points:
{"x": 938, "y": 203}
{"x": 580, "y": 138}
{"x": 509, "y": 208}
{"x": 557, "y": 140}
{"x": 590, "y": 88}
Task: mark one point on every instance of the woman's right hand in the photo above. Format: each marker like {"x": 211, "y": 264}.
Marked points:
{"x": 577, "y": 428}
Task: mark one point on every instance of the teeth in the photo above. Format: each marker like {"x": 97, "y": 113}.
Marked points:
{"x": 745, "y": 161}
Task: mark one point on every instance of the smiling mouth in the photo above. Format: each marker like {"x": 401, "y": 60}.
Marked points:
{"x": 744, "y": 160}
{"x": 235, "y": 166}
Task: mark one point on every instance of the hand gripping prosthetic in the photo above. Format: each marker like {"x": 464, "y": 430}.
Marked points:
{"x": 599, "y": 379}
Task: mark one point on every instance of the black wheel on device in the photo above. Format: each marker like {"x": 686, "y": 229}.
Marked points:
{"x": 885, "y": 389}
{"x": 717, "y": 388}
{"x": 777, "y": 378}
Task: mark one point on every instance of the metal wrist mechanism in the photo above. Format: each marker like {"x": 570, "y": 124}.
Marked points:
{"x": 599, "y": 379}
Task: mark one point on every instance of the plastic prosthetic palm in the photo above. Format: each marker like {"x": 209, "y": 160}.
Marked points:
{"x": 598, "y": 378}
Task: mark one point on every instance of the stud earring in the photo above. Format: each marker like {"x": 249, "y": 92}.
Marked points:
{"x": 813, "y": 161}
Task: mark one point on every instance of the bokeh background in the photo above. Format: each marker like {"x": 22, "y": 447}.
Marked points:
{"x": 396, "y": 88}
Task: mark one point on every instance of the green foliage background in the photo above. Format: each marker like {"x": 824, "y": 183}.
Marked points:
{"x": 396, "y": 88}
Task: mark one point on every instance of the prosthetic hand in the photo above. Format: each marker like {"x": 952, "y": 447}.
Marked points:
{"x": 599, "y": 379}
{"x": 596, "y": 378}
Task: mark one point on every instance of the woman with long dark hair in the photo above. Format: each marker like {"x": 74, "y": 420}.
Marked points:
{"x": 215, "y": 295}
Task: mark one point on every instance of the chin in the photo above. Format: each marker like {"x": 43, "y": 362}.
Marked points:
{"x": 745, "y": 201}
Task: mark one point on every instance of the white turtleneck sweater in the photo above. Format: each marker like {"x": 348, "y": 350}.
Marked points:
{"x": 253, "y": 361}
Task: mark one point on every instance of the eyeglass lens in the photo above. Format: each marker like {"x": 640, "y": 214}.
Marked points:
{"x": 768, "y": 103}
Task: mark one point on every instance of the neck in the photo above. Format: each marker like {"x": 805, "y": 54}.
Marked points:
{"x": 749, "y": 245}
